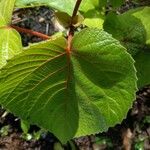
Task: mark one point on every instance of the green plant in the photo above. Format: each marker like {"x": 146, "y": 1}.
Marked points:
{"x": 4, "y": 131}
{"x": 79, "y": 85}
{"x": 25, "y": 126}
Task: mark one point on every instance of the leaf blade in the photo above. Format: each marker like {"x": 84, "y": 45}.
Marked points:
{"x": 102, "y": 64}
{"x": 47, "y": 87}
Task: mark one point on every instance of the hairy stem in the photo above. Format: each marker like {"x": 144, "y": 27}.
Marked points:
{"x": 71, "y": 27}
{"x": 23, "y": 30}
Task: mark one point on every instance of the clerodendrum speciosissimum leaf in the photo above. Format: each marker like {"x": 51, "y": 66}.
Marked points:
{"x": 71, "y": 95}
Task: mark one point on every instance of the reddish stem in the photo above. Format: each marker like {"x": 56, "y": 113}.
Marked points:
{"x": 23, "y": 30}
{"x": 71, "y": 28}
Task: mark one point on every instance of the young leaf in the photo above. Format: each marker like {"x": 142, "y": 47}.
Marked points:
{"x": 77, "y": 20}
{"x": 93, "y": 19}
{"x": 10, "y": 44}
{"x": 75, "y": 94}
{"x": 63, "y": 18}
{"x": 25, "y": 126}
{"x": 87, "y": 5}
{"x": 6, "y": 9}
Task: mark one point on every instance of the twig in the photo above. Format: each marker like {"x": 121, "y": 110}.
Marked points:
{"x": 23, "y": 30}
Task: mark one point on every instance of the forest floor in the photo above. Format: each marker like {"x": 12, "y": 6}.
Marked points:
{"x": 132, "y": 133}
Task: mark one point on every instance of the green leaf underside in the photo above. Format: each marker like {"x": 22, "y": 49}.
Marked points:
{"x": 10, "y": 44}
{"x": 71, "y": 96}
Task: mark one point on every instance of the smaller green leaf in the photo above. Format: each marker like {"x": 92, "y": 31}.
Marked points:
{"x": 6, "y": 9}
{"x": 4, "y": 131}
{"x": 63, "y": 18}
{"x": 132, "y": 27}
{"x": 58, "y": 146}
{"x": 25, "y": 126}
{"x": 102, "y": 3}
{"x": 116, "y": 3}
{"x": 87, "y": 5}
{"x": 143, "y": 14}
{"x": 128, "y": 29}
{"x": 77, "y": 20}
{"x": 93, "y": 19}
{"x": 10, "y": 44}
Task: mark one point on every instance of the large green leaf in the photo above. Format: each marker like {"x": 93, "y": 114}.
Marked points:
{"x": 75, "y": 94}
{"x": 143, "y": 14}
{"x": 132, "y": 29}
{"x": 6, "y": 9}
{"x": 142, "y": 64}
{"x": 128, "y": 30}
{"x": 10, "y": 44}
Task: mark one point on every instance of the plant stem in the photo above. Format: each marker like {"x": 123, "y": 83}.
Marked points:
{"x": 71, "y": 27}
{"x": 40, "y": 35}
